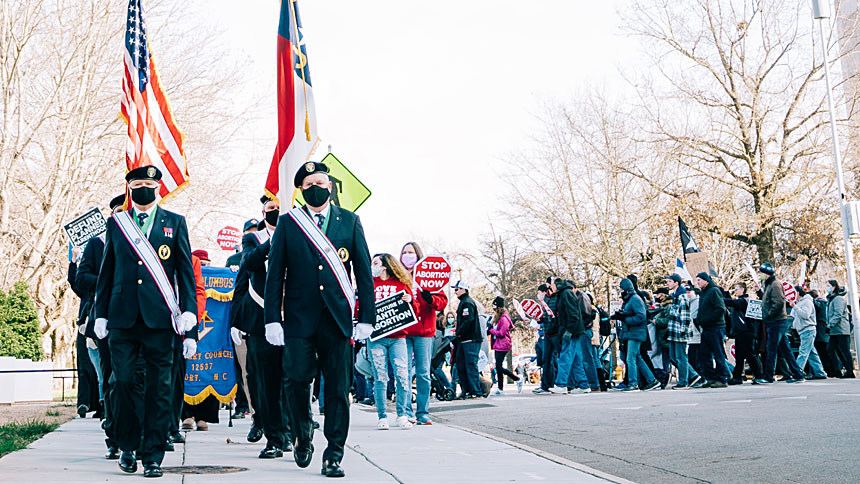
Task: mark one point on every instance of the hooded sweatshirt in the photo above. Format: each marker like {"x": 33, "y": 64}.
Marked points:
{"x": 569, "y": 311}
{"x": 837, "y": 314}
{"x": 803, "y": 314}
{"x": 632, "y": 314}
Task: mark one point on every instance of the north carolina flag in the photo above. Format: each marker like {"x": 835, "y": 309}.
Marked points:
{"x": 297, "y": 124}
{"x": 681, "y": 270}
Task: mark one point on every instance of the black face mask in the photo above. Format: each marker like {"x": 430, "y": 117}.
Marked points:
{"x": 315, "y": 195}
{"x": 272, "y": 217}
{"x": 143, "y": 195}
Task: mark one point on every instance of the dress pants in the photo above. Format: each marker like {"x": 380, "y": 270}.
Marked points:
{"x": 269, "y": 378}
{"x": 329, "y": 351}
{"x": 156, "y": 348}
{"x": 88, "y": 382}
{"x": 744, "y": 352}
{"x": 177, "y": 376}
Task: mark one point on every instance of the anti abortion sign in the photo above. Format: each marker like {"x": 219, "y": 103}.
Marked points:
{"x": 532, "y": 309}
{"x": 432, "y": 273}
{"x": 85, "y": 227}
{"x": 392, "y": 315}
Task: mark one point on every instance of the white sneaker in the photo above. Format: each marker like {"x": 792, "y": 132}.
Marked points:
{"x": 404, "y": 423}
{"x": 382, "y": 424}
{"x": 498, "y": 392}
{"x": 558, "y": 390}
{"x": 580, "y": 390}
{"x": 520, "y": 385}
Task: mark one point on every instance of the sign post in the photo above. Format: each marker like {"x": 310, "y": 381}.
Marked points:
{"x": 432, "y": 273}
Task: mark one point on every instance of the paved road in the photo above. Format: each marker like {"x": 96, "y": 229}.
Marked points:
{"x": 806, "y": 432}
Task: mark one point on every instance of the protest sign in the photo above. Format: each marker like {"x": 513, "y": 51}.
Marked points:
{"x": 83, "y": 228}
{"x": 229, "y": 238}
{"x": 392, "y": 315}
{"x": 753, "y": 309}
{"x": 519, "y": 309}
{"x": 697, "y": 262}
{"x": 532, "y": 308}
{"x": 211, "y": 371}
{"x": 790, "y": 293}
{"x": 432, "y": 273}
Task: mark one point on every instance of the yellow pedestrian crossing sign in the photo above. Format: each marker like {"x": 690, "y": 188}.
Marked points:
{"x": 347, "y": 191}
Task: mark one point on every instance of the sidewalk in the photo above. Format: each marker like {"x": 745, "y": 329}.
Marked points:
{"x": 74, "y": 453}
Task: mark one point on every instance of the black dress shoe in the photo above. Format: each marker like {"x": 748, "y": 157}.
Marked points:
{"x": 303, "y": 452}
{"x": 177, "y": 437}
{"x": 82, "y": 410}
{"x": 332, "y": 469}
{"x": 112, "y": 453}
{"x": 271, "y": 452}
{"x": 255, "y": 434}
{"x": 168, "y": 446}
{"x": 152, "y": 470}
{"x": 127, "y": 462}
{"x": 316, "y": 425}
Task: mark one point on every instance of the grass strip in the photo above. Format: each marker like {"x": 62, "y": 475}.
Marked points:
{"x": 18, "y": 435}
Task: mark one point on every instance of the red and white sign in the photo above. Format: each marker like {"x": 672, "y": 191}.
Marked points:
{"x": 432, "y": 273}
{"x": 532, "y": 308}
{"x": 229, "y": 238}
{"x": 790, "y": 293}
{"x": 519, "y": 309}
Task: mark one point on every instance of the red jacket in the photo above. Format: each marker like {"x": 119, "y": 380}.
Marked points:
{"x": 201, "y": 287}
{"x": 426, "y": 313}
{"x": 390, "y": 287}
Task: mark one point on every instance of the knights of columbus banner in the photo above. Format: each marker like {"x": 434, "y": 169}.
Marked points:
{"x": 211, "y": 370}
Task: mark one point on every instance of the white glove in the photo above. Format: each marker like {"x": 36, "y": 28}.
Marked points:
{"x": 91, "y": 344}
{"x": 236, "y": 334}
{"x": 100, "y": 329}
{"x": 275, "y": 334}
{"x": 189, "y": 348}
{"x": 188, "y": 320}
{"x": 362, "y": 331}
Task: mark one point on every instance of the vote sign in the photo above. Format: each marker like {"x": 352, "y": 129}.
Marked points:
{"x": 392, "y": 315}
{"x": 229, "y": 238}
{"x": 432, "y": 273}
{"x": 532, "y": 308}
{"x": 790, "y": 293}
{"x": 83, "y": 228}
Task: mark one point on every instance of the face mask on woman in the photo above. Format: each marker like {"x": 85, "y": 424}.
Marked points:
{"x": 540, "y": 296}
{"x": 409, "y": 260}
{"x": 450, "y": 321}
{"x": 829, "y": 289}
{"x": 376, "y": 271}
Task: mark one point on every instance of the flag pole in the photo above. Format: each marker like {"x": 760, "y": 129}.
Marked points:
{"x": 304, "y": 62}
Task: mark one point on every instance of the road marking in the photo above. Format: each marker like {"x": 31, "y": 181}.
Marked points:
{"x": 682, "y": 405}
{"x": 534, "y": 476}
{"x": 736, "y": 401}
{"x": 437, "y": 439}
{"x": 627, "y": 408}
{"x": 791, "y": 398}
{"x": 848, "y": 394}
{"x": 464, "y": 453}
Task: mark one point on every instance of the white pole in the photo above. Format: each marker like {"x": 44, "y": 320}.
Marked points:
{"x": 821, "y": 11}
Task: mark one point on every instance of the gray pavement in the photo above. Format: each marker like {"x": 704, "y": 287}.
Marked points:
{"x": 807, "y": 432}
{"x": 438, "y": 453}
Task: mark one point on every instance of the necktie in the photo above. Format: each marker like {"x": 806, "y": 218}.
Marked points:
{"x": 141, "y": 219}
{"x": 320, "y": 219}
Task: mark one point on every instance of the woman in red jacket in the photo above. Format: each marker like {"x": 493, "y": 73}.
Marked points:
{"x": 419, "y": 337}
{"x": 390, "y": 278}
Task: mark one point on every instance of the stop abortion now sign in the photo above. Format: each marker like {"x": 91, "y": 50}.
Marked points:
{"x": 228, "y": 238}
{"x": 432, "y": 273}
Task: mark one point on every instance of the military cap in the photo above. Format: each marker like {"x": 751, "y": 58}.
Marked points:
{"x": 308, "y": 168}
{"x": 250, "y": 224}
{"x": 117, "y": 201}
{"x": 148, "y": 172}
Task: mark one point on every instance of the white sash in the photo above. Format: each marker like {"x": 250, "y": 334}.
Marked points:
{"x": 262, "y": 236}
{"x": 144, "y": 250}
{"x": 323, "y": 245}
{"x": 256, "y": 297}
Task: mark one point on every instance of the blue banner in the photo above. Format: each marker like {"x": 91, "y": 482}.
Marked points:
{"x": 211, "y": 371}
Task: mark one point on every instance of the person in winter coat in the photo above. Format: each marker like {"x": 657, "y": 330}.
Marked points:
{"x": 839, "y": 330}
{"x": 575, "y": 343}
{"x": 776, "y": 325}
{"x": 500, "y": 329}
{"x": 468, "y": 337}
{"x": 695, "y": 342}
{"x": 821, "y": 336}
{"x": 744, "y": 332}
{"x": 803, "y": 313}
{"x": 679, "y": 332}
{"x": 712, "y": 320}
{"x": 633, "y": 319}
{"x": 552, "y": 340}
{"x": 419, "y": 337}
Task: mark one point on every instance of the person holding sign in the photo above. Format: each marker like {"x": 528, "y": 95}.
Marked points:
{"x": 312, "y": 252}
{"x": 389, "y": 279}
{"x": 419, "y": 337}
{"x": 744, "y": 330}
{"x": 776, "y": 325}
{"x": 140, "y": 308}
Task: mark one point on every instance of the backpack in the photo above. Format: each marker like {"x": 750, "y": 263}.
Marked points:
{"x": 604, "y": 327}
{"x": 588, "y": 316}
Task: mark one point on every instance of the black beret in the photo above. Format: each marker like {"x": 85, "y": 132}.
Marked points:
{"x": 148, "y": 172}
{"x": 308, "y": 168}
{"x": 117, "y": 201}
{"x": 266, "y": 199}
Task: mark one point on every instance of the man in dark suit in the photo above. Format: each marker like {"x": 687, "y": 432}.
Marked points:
{"x": 309, "y": 277}
{"x": 265, "y": 371}
{"x": 146, "y": 253}
{"x": 86, "y": 280}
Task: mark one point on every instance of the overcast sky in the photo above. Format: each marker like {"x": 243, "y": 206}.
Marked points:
{"x": 423, "y": 101}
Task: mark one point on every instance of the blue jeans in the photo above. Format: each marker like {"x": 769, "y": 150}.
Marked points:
{"x": 383, "y": 351}
{"x": 95, "y": 358}
{"x": 467, "y": 367}
{"x": 807, "y": 352}
{"x": 580, "y": 372}
{"x": 636, "y": 364}
{"x": 714, "y": 355}
{"x": 777, "y": 342}
{"x": 678, "y": 357}
{"x": 420, "y": 347}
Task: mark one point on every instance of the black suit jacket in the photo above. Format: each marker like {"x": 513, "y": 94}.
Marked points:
{"x": 125, "y": 288}
{"x": 86, "y": 279}
{"x": 299, "y": 278}
{"x": 245, "y": 313}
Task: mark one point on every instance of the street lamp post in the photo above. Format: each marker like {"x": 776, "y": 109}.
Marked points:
{"x": 821, "y": 11}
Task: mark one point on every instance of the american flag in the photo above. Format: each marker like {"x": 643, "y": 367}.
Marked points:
{"x": 297, "y": 120}
{"x": 153, "y": 138}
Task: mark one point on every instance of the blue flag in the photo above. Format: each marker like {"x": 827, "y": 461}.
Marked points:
{"x": 211, "y": 371}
